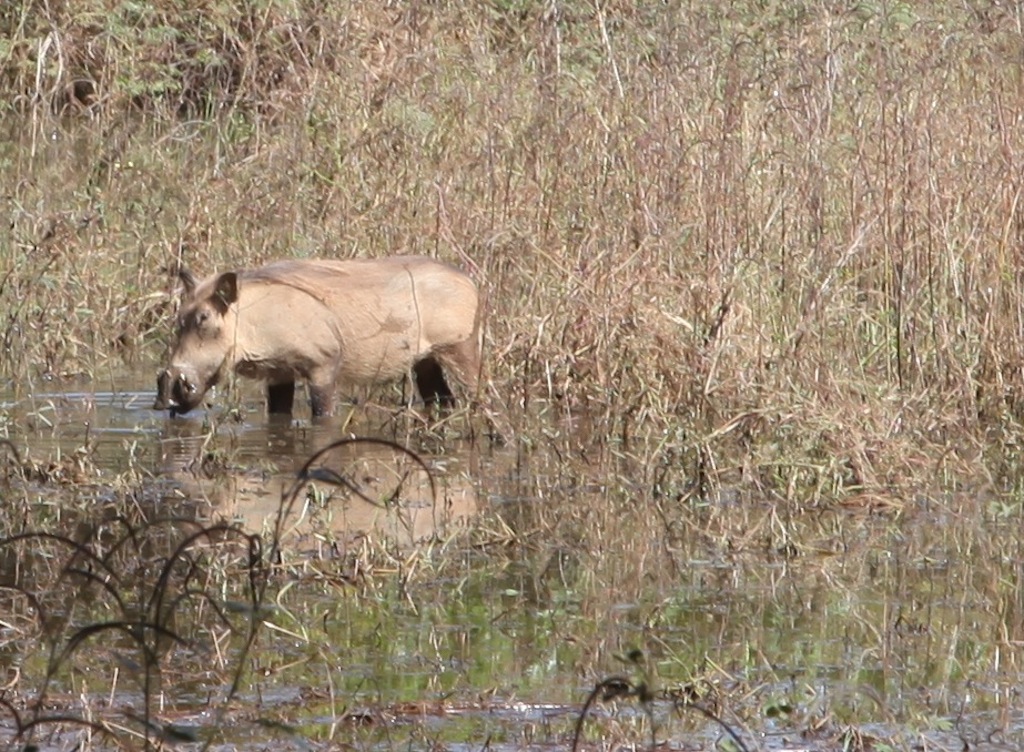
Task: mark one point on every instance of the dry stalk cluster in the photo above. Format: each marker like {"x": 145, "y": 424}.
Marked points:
{"x": 129, "y": 613}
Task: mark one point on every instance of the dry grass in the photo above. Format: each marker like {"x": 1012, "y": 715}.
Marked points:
{"x": 770, "y": 244}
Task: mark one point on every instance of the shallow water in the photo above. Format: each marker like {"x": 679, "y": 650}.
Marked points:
{"x": 796, "y": 625}
{"x": 240, "y": 469}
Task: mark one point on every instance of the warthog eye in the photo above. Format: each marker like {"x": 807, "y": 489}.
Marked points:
{"x": 204, "y": 323}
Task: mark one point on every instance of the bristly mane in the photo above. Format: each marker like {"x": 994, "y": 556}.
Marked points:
{"x": 305, "y": 278}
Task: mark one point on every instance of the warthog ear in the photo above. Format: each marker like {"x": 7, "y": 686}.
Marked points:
{"x": 225, "y": 292}
{"x": 188, "y": 280}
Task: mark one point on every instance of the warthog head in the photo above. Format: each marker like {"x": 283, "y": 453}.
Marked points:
{"x": 202, "y": 347}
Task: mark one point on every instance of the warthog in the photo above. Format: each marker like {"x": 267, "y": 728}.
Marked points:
{"x": 360, "y": 322}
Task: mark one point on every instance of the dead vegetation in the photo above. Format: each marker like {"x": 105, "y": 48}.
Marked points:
{"x": 782, "y": 235}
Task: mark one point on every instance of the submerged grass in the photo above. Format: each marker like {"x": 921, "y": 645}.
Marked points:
{"x": 823, "y": 622}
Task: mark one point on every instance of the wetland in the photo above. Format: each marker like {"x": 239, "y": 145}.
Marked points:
{"x": 481, "y": 596}
{"x": 744, "y": 471}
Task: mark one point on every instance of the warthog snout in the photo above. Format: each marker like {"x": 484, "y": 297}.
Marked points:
{"x": 175, "y": 391}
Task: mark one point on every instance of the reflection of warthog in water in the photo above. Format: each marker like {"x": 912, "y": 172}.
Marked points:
{"x": 361, "y": 321}
{"x": 404, "y": 509}
{"x": 384, "y": 491}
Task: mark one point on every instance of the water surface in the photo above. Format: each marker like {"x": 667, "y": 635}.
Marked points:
{"x": 477, "y": 599}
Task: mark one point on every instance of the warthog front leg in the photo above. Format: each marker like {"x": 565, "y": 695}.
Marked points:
{"x": 281, "y": 398}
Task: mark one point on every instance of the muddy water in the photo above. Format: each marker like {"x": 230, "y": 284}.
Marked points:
{"x": 243, "y": 469}
{"x": 366, "y": 486}
{"x": 806, "y": 630}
